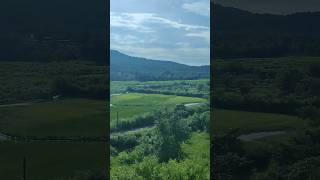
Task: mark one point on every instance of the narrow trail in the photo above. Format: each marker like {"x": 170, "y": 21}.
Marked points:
{"x": 4, "y": 137}
{"x": 16, "y": 104}
{"x": 194, "y": 104}
{"x": 259, "y": 135}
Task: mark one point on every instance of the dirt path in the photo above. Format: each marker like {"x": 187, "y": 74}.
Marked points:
{"x": 259, "y": 135}
{"x": 194, "y": 104}
{"x": 4, "y": 137}
{"x": 15, "y": 104}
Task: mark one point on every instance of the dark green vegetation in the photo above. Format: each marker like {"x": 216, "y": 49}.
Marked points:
{"x": 191, "y": 88}
{"x": 58, "y": 30}
{"x": 36, "y": 81}
{"x": 132, "y": 110}
{"x": 193, "y": 165}
{"x": 246, "y": 122}
{"x": 266, "y": 73}
{"x": 127, "y": 68}
{"x": 263, "y": 35}
{"x": 278, "y": 95}
{"x": 47, "y": 160}
{"x": 176, "y": 147}
{"x": 53, "y": 89}
{"x": 280, "y": 85}
{"x": 159, "y": 120}
{"x": 59, "y": 118}
{"x": 56, "y": 115}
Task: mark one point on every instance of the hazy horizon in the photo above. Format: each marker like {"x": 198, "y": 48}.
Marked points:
{"x": 157, "y": 59}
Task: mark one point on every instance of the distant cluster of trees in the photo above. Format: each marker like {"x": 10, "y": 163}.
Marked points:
{"x": 188, "y": 88}
{"x": 26, "y": 81}
{"x": 68, "y": 87}
{"x": 150, "y": 91}
{"x": 164, "y": 76}
{"x": 264, "y": 87}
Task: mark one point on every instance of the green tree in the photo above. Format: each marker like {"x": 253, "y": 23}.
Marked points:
{"x": 172, "y": 130}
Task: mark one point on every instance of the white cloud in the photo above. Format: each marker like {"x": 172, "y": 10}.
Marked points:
{"x": 201, "y": 34}
{"x": 133, "y": 21}
{"x": 198, "y": 7}
{"x": 175, "y": 24}
{"x": 129, "y": 39}
{"x": 140, "y": 21}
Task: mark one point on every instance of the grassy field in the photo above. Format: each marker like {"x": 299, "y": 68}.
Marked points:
{"x": 50, "y": 160}
{"x": 62, "y": 118}
{"x": 135, "y": 104}
{"x": 225, "y": 120}
{"x": 67, "y": 117}
{"x": 197, "y": 147}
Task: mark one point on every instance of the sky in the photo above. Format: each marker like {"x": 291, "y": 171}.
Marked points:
{"x": 273, "y": 6}
{"x": 174, "y": 30}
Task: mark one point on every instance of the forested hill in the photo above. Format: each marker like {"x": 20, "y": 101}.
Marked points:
{"x": 38, "y": 30}
{"x": 240, "y": 34}
{"x": 124, "y": 67}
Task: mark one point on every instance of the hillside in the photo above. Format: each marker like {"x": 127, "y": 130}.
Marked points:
{"x": 124, "y": 67}
{"x": 264, "y": 35}
{"x": 59, "y": 30}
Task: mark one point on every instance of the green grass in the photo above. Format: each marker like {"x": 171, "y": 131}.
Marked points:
{"x": 225, "y": 120}
{"x": 50, "y": 160}
{"x": 197, "y": 147}
{"x": 68, "y": 117}
{"x": 135, "y": 104}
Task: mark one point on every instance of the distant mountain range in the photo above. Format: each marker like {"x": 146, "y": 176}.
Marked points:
{"x": 124, "y": 67}
{"x": 240, "y": 34}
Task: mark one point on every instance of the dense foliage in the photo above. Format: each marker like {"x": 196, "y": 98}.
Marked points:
{"x": 164, "y": 152}
{"x": 190, "y": 88}
{"x": 28, "y": 81}
{"x": 279, "y": 85}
